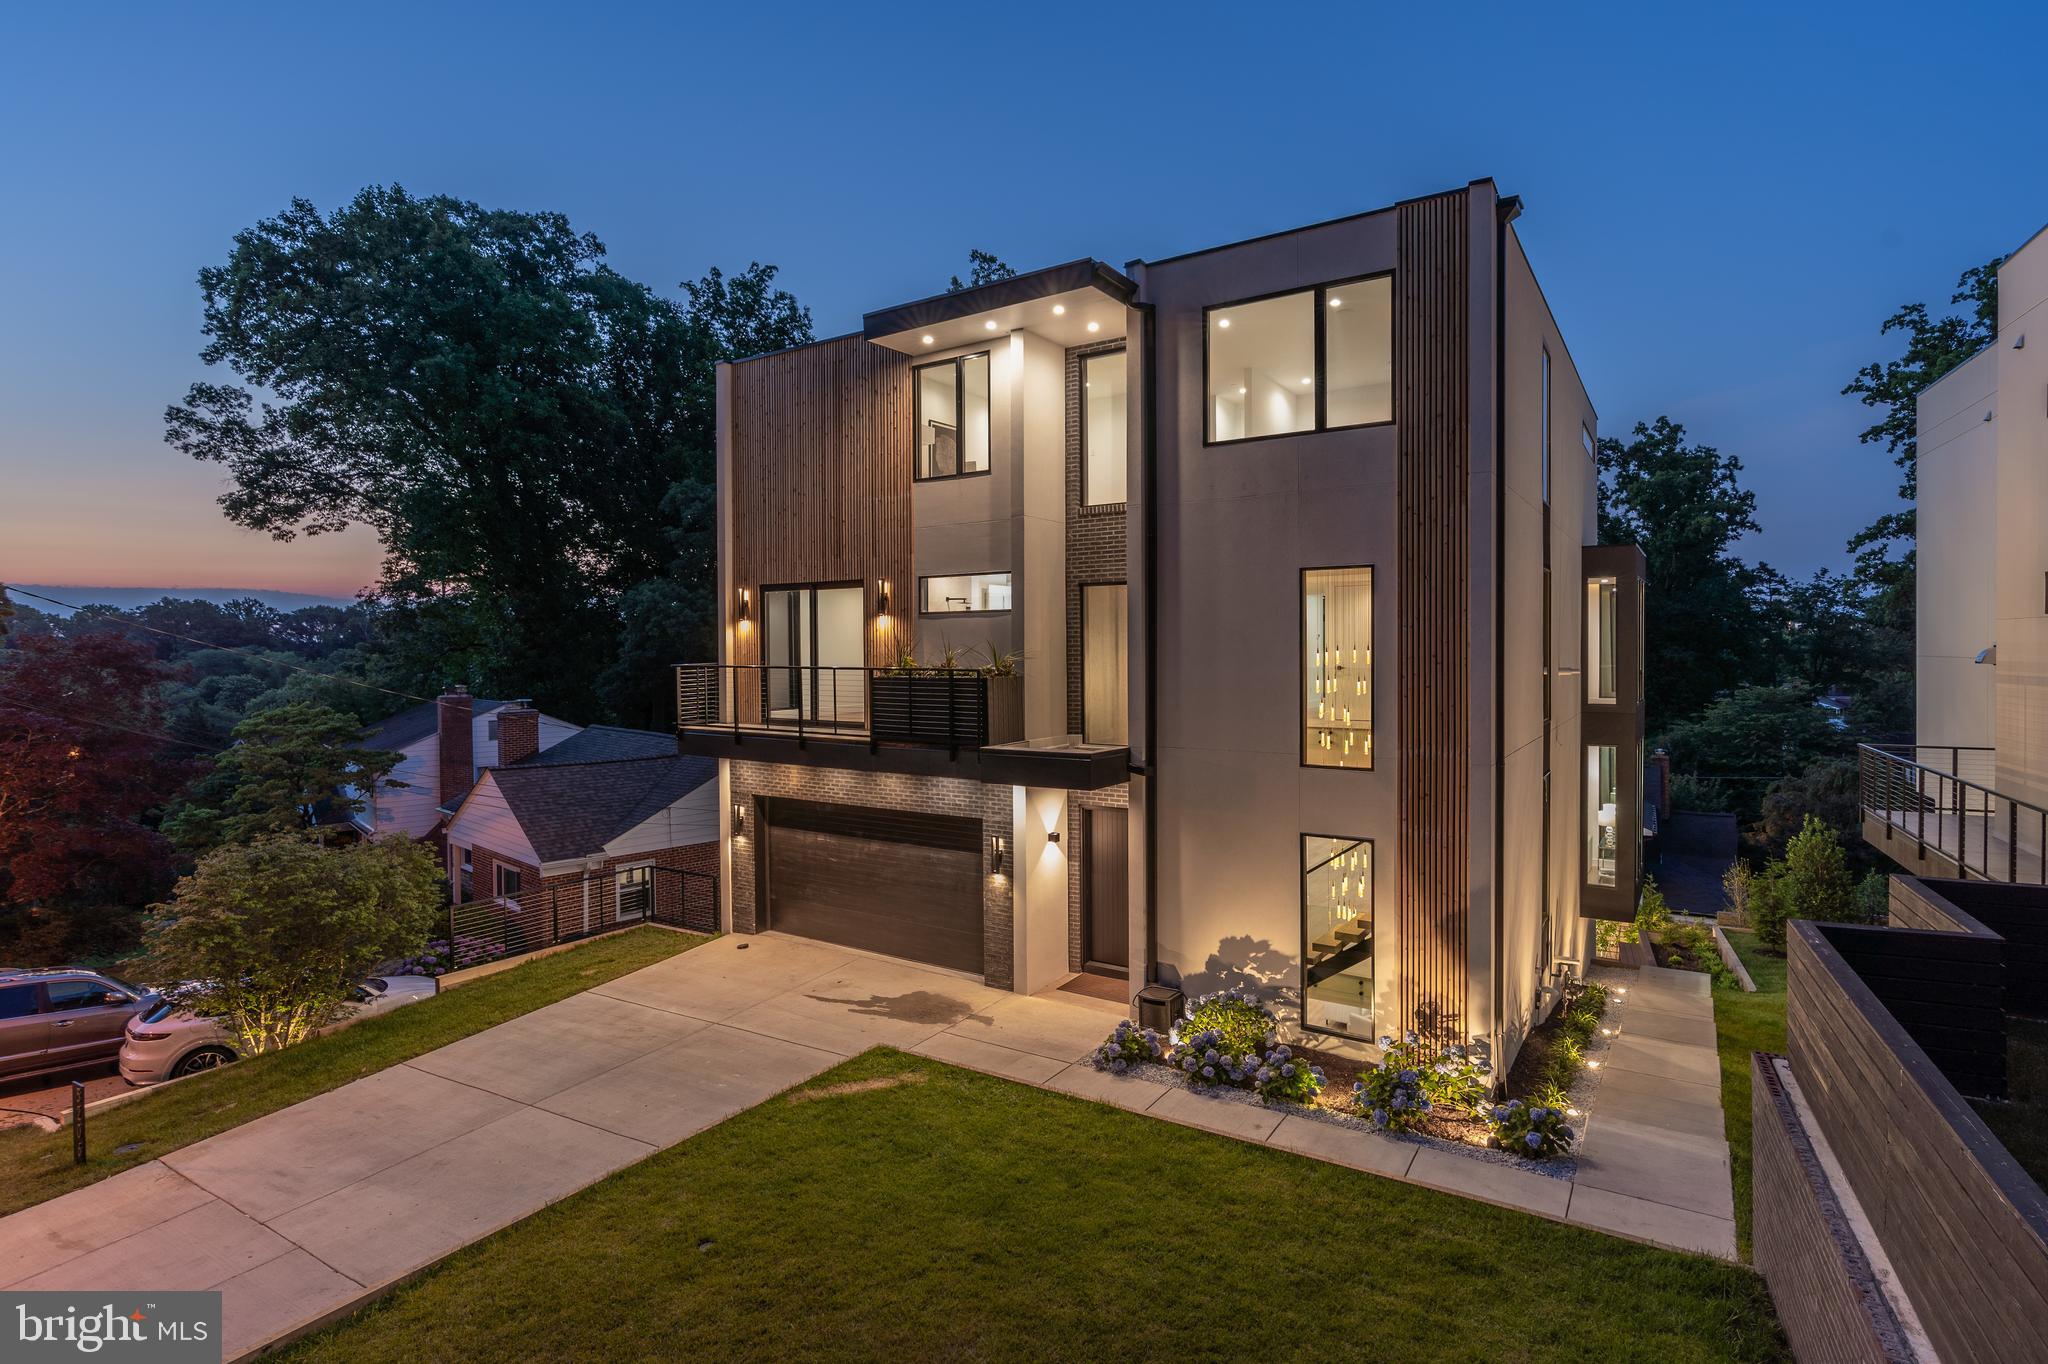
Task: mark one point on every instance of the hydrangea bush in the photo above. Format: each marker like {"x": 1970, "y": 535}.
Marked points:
{"x": 1244, "y": 1025}
{"x": 1392, "y": 1093}
{"x": 1457, "y": 1079}
{"x": 1284, "y": 1077}
{"x": 1128, "y": 1046}
{"x": 439, "y": 956}
{"x": 1535, "y": 1131}
{"x": 1205, "y": 1058}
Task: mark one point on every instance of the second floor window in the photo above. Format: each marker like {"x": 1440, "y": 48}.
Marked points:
{"x": 1600, "y": 639}
{"x": 1104, "y": 433}
{"x": 1336, "y": 641}
{"x": 951, "y": 399}
{"x": 1313, "y": 360}
{"x": 965, "y": 592}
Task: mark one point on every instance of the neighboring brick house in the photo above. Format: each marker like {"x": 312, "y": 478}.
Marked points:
{"x": 591, "y": 832}
{"x": 444, "y": 745}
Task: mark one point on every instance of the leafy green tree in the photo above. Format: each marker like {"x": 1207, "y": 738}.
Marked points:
{"x": 284, "y": 762}
{"x": 1826, "y": 789}
{"x": 479, "y": 388}
{"x": 1811, "y": 881}
{"x": 1750, "y": 739}
{"x": 983, "y": 267}
{"x": 279, "y": 929}
{"x": 1685, "y": 505}
{"x": 1892, "y": 388}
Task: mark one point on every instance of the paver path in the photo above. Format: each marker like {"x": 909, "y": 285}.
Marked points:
{"x": 299, "y": 1216}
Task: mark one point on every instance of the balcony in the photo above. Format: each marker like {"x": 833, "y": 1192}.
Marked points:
{"x": 1931, "y": 808}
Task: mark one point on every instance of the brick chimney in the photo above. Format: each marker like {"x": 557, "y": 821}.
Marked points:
{"x": 518, "y": 732}
{"x": 456, "y": 746}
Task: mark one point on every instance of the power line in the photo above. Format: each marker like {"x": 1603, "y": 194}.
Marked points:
{"x": 229, "y": 649}
{"x": 104, "y": 724}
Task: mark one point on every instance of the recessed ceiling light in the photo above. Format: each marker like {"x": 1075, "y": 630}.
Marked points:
{"x": 1240, "y": 390}
{"x": 1305, "y": 379}
{"x": 929, "y": 339}
{"x": 1222, "y": 321}
{"x": 1059, "y": 310}
{"x": 1094, "y": 326}
{"x": 989, "y": 325}
{"x": 1336, "y": 303}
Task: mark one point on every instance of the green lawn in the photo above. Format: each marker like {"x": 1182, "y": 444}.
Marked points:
{"x": 935, "y": 1213}
{"x": 1744, "y": 1023}
{"x": 37, "y": 1165}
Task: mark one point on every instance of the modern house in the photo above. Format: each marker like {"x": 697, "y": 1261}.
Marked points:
{"x": 608, "y": 826}
{"x": 1970, "y": 798}
{"x": 1231, "y": 619}
{"x": 446, "y": 743}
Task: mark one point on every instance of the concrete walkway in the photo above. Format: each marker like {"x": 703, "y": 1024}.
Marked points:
{"x": 302, "y": 1215}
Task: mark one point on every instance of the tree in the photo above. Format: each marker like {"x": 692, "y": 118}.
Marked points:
{"x": 1685, "y": 505}
{"x": 279, "y": 929}
{"x": 1934, "y": 346}
{"x": 1827, "y": 789}
{"x": 477, "y": 387}
{"x": 1750, "y": 739}
{"x": 83, "y": 763}
{"x": 284, "y": 764}
{"x": 983, "y": 268}
{"x": 1812, "y": 881}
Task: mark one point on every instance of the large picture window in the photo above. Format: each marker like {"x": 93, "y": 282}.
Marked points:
{"x": 951, "y": 398}
{"x": 1314, "y": 360}
{"x": 1104, "y": 390}
{"x": 1603, "y": 805}
{"x": 1336, "y": 935}
{"x": 964, "y": 592}
{"x": 1336, "y": 643}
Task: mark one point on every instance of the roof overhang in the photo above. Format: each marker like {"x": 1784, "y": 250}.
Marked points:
{"x": 1058, "y": 302}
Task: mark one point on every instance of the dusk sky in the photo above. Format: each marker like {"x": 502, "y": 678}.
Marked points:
{"x": 1722, "y": 202}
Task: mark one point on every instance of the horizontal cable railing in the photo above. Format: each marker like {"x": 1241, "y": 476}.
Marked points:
{"x": 1921, "y": 793}
{"x": 955, "y": 707}
{"x": 566, "y": 909}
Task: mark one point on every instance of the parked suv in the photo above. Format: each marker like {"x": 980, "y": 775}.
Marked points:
{"x": 168, "y": 1043}
{"x": 59, "y": 1020}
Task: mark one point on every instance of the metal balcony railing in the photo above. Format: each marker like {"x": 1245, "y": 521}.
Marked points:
{"x": 953, "y": 707}
{"x": 1921, "y": 794}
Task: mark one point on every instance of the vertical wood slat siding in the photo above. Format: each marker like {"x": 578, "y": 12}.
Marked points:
{"x": 1432, "y": 383}
{"x": 820, "y": 463}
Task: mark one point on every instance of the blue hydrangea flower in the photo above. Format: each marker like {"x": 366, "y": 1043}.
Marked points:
{"x": 1533, "y": 1141}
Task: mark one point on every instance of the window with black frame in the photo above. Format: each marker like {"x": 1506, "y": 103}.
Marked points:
{"x": 1336, "y": 935}
{"x": 951, "y": 399}
{"x": 1317, "y": 359}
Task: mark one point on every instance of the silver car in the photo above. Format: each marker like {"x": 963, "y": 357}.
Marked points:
{"x": 165, "y": 1042}
{"x": 56, "y": 1020}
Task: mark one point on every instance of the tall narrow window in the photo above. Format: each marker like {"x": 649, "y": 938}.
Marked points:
{"x": 951, "y": 398}
{"x": 1336, "y": 935}
{"x": 1103, "y": 429}
{"x": 1336, "y": 643}
{"x": 1603, "y": 799}
{"x": 1358, "y": 345}
{"x": 1546, "y": 426}
{"x": 1600, "y": 626}
{"x": 1105, "y": 697}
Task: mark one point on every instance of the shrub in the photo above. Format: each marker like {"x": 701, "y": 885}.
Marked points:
{"x": 1457, "y": 1080}
{"x": 1653, "y": 914}
{"x": 1874, "y": 897}
{"x": 1283, "y": 1076}
{"x": 1811, "y": 882}
{"x": 1128, "y": 1046}
{"x": 1535, "y": 1131}
{"x": 1206, "y": 1059}
{"x": 1696, "y": 946}
{"x": 1735, "y": 884}
{"x": 1391, "y": 1093}
{"x": 1244, "y": 1025}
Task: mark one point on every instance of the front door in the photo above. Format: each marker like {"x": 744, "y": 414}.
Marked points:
{"x": 1105, "y": 890}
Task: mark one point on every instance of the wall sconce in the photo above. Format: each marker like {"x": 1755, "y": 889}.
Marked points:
{"x": 739, "y": 817}
{"x": 1052, "y": 835}
{"x": 882, "y": 598}
{"x": 999, "y": 853}
{"x": 743, "y": 608}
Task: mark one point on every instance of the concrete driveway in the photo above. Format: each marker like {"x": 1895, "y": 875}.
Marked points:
{"x": 301, "y": 1215}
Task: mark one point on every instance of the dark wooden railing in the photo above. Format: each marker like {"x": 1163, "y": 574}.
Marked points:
{"x": 951, "y": 707}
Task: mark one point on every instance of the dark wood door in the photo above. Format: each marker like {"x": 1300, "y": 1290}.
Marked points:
{"x": 1105, "y": 889}
{"x": 896, "y": 882}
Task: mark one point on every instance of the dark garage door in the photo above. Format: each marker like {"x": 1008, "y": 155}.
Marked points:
{"x": 889, "y": 881}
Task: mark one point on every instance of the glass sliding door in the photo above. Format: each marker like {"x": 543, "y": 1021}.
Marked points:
{"x": 811, "y": 644}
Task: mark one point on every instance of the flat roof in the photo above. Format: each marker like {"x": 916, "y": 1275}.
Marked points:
{"x": 939, "y": 309}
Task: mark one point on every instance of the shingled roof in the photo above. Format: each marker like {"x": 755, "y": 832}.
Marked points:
{"x": 572, "y": 809}
{"x": 603, "y": 744}
{"x": 408, "y": 727}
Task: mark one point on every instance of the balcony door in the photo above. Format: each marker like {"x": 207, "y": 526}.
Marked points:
{"x": 814, "y": 656}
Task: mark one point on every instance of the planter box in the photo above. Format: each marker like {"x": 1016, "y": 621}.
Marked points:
{"x": 960, "y": 708}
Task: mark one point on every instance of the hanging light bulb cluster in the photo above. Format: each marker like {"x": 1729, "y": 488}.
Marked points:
{"x": 1339, "y": 621}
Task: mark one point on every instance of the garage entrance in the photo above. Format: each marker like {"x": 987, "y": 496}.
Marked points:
{"x": 896, "y": 882}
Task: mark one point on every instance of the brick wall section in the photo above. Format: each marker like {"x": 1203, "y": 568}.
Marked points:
{"x": 1821, "y": 1279}
{"x": 886, "y": 791}
{"x": 1110, "y": 797}
{"x": 1095, "y": 535}
{"x": 554, "y": 906}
